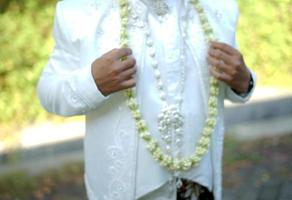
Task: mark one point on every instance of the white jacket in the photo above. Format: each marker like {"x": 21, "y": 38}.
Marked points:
{"x": 117, "y": 164}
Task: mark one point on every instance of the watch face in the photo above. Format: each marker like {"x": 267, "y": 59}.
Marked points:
{"x": 250, "y": 83}
{"x": 250, "y": 86}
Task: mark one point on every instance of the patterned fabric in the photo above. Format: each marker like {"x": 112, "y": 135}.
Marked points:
{"x": 190, "y": 189}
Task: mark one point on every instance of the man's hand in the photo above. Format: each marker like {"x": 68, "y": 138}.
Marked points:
{"x": 112, "y": 73}
{"x": 227, "y": 64}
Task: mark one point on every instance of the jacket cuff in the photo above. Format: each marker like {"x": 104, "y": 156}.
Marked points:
{"x": 87, "y": 89}
{"x": 235, "y": 97}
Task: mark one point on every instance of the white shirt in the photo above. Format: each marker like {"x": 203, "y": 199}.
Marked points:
{"x": 117, "y": 164}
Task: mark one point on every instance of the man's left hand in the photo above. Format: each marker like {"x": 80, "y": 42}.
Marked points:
{"x": 227, "y": 65}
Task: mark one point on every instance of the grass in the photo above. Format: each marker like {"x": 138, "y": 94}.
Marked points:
{"x": 235, "y": 151}
{"x": 52, "y": 184}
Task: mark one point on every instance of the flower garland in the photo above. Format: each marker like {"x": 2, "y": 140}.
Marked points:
{"x": 171, "y": 163}
{"x": 170, "y": 119}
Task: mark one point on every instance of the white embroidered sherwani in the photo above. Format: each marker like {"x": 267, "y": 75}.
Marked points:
{"x": 117, "y": 164}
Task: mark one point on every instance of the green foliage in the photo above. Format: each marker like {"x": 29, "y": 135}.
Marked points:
{"x": 25, "y": 26}
{"x": 25, "y": 44}
{"x": 265, "y": 31}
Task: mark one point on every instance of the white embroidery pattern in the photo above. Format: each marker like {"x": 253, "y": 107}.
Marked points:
{"x": 138, "y": 15}
{"x": 118, "y": 153}
{"x": 94, "y": 4}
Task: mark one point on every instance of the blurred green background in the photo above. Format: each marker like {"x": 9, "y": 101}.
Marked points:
{"x": 25, "y": 26}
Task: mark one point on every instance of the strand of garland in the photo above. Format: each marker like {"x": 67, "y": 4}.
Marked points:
{"x": 171, "y": 163}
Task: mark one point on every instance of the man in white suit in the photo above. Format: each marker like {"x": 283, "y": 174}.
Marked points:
{"x": 88, "y": 71}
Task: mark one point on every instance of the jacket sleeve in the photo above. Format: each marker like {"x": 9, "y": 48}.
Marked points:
{"x": 229, "y": 93}
{"x": 66, "y": 88}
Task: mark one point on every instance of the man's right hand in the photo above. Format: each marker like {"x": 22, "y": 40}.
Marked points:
{"x": 111, "y": 73}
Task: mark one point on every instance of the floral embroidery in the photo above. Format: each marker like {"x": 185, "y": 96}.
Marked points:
{"x": 118, "y": 189}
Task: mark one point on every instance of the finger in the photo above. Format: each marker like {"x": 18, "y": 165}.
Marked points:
{"x": 117, "y": 54}
{"x": 129, "y": 62}
{"x": 128, "y": 83}
{"x": 219, "y": 64}
{"x": 129, "y": 73}
{"x": 220, "y": 55}
{"x": 224, "y": 47}
{"x": 220, "y": 75}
